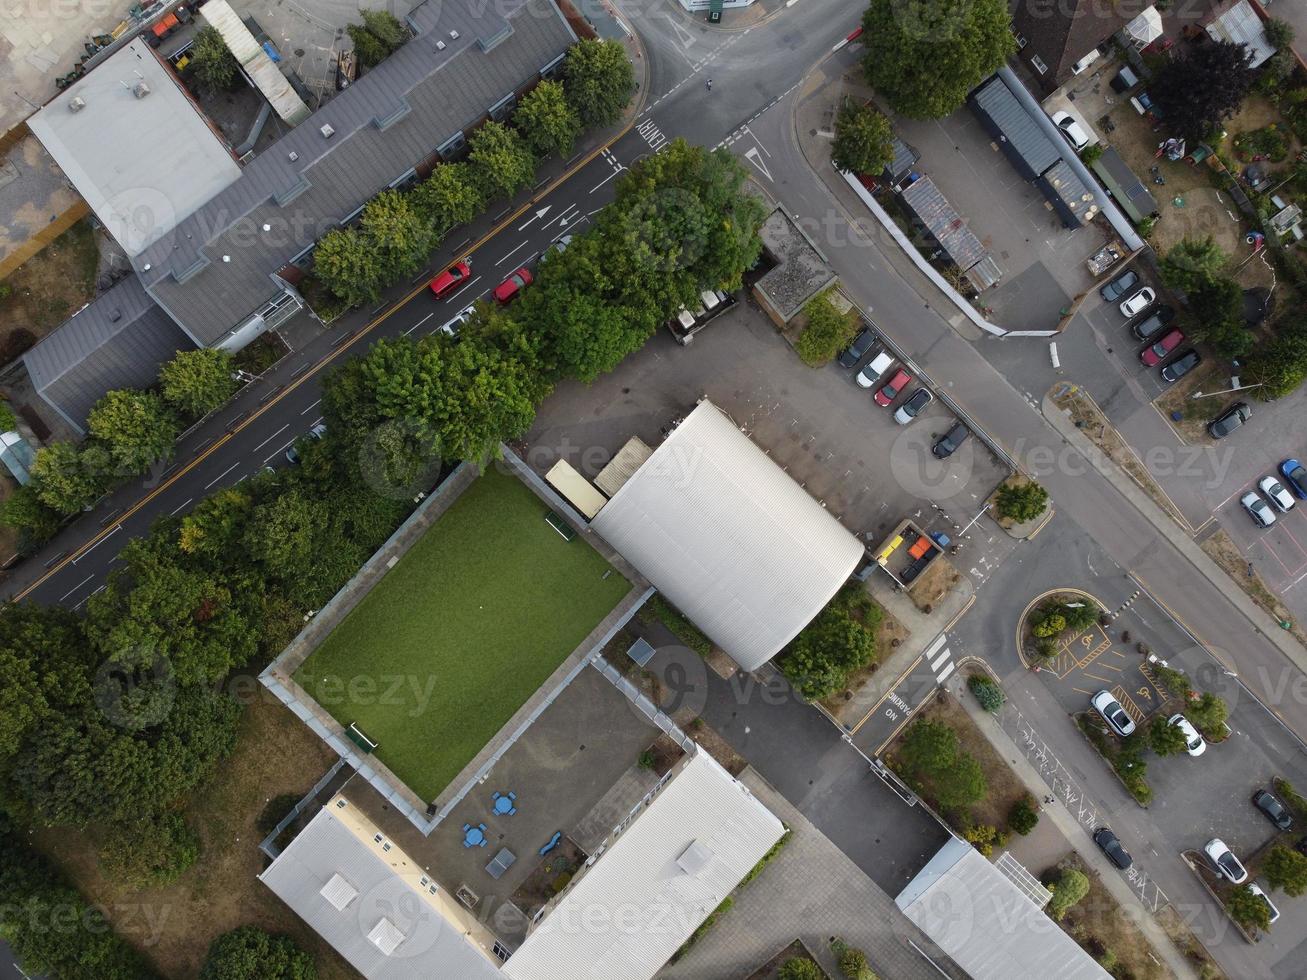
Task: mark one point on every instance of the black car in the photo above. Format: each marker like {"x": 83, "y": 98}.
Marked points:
{"x": 1275, "y": 811}
{"x": 857, "y": 350}
{"x": 1229, "y": 420}
{"x": 1119, "y": 286}
{"x": 1153, "y": 323}
{"x": 1182, "y": 365}
{"x": 1112, "y": 847}
{"x": 950, "y": 441}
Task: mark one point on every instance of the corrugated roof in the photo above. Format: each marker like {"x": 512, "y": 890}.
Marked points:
{"x": 499, "y": 48}
{"x": 625, "y": 916}
{"x": 1024, "y": 142}
{"x": 143, "y": 163}
{"x": 118, "y": 341}
{"x": 729, "y": 537}
{"x": 987, "y": 924}
{"x": 1241, "y": 25}
{"x": 905, "y": 157}
{"x": 276, "y": 88}
{"x": 944, "y": 223}
{"x": 984, "y": 273}
{"x": 623, "y": 466}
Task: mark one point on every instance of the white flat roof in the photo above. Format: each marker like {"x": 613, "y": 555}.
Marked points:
{"x": 729, "y": 538}
{"x": 143, "y": 160}
{"x": 625, "y": 916}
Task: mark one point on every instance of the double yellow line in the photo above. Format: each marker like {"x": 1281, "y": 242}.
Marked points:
{"x": 317, "y": 367}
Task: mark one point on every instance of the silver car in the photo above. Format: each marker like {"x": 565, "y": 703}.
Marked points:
{"x": 1112, "y": 712}
{"x": 1258, "y": 509}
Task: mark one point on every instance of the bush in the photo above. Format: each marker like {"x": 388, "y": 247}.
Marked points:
{"x": 1046, "y": 647}
{"x": 1175, "y": 682}
{"x": 8, "y": 420}
{"x": 1021, "y": 502}
{"x": 827, "y": 333}
{"x": 18, "y": 342}
{"x": 1081, "y": 615}
{"x": 1248, "y": 909}
{"x": 1291, "y": 797}
{"x": 249, "y": 953}
{"x": 800, "y": 968}
{"x": 151, "y": 852}
{"x": 1164, "y": 738}
{"x": 1091, "y": 153}
{"x": 1023, "y": 816}
{"x": 646, "y": 759}
{"x": 988, "y": 694}
{"x": 851, "y": 961}
{"x": 1286, "y": 869}
{"x": 1208, "y": 714}
{"x": 985, "y": 838}
{"x": 1070, "y": 887}
{"x": 1049, "y": 626}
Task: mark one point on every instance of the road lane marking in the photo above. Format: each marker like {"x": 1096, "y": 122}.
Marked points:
{"x": 173, "y": 512}
{"x": 271, "y": 437}
{"x": 281, "y": 450}
{"x": 453, "y": 296}
{"x": 310, "y": 407}
{"x": 221, "y": 475}
{"x": 510, "y": 254}
{"x": 418, "y": 324}
{"x": 565, "y": 217}
{"x": 76, "y": 587}
{"x": 116, "y": 529}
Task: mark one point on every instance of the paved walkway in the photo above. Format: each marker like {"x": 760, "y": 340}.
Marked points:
{"x": 809, "y": 891}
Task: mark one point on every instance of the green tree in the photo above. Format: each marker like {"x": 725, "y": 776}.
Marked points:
{"x": 1176, "y": 682}
{"x": 924, "y": 56}
{"x": 928, "y": 747}
{"x": 1280, "y": 365}
{"x": 864, "y": 141}
{"x": 1208, "y": 714}
{"x": 501, "y": 161}
{"x": 8, "y": 420}
{"x": 63, "y": 480}
{"x": 249, "y": 953}
{"x": 827, "y": 333}
{"x": 1021, "y": 502}
{"x": 1195, "y": 92}
{"x": 150, "y": 852}
{"x": 212, "y": 62}
{"x": 852, "y": 962}
{"x": 195, "y": 382}
{"x": 136, "y": 427}
{"x": 1164, "y": 738}
{"x": 547, "y": 120}
{"x": 25, "y": 512}
{"x": 836, "y": 643}
{"x": 1218, "y": 312}
{"x": 397, "y": 233}
{"x": 385, "y": 27}
{"x": 1023, "y": 816}
{"x": 43, "y": 657}
{"x": 800, "y": 968}
{"x": 346, "y": 264}
{"x": 448, "y": 198}
{"x": 1279, "y": 33}
{"x": 1049, "y": 624}
{"x": 1070, "y": 887}
{"x": 1248, "y": 909}
{"x": 367, "y": 46}
{"x": 988, "y": 694}
{"x": 961, "y": 784}
{"x": 599, "y": 80}
{"x": 282, "y": 533}
{"x": 1285, "y": 869}
{"x": 1192, "y": 263}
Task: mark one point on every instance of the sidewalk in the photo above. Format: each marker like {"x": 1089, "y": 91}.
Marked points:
{"x": 1058, "y": 832}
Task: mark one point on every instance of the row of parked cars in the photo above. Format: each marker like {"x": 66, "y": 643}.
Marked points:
{"x": 1152, "y": 326}
{"x": 1282, "y": 497}
{"x": 889, "y": 384}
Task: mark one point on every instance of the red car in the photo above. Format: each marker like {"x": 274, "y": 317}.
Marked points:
{"x": 450, "y": 279}
{"x": 891, "y": 388}
{"x": 507, "y": 290}
{"x": 1153, "y": 355}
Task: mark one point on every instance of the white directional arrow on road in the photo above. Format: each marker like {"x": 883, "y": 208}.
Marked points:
{"x": 755, "y": 158}
{"x": 539, "y": 214}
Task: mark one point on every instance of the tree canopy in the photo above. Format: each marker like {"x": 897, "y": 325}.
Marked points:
{"x": 249, "y": 953}
{"x": 599, "y": 80}
{"x": 503, "y": 161}
{"x": 1192, "y": 263}
{"x": 864, "y": 141}
{"x": 196, "y": 382}
{"x": 136, "y": 428}
{"x": 547, "y": 120}
{"x": 1195, "y": 92}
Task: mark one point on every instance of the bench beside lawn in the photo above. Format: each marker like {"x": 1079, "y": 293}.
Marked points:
{"x": 461, "y": 632}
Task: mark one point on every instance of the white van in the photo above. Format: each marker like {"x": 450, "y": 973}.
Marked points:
{"x": 877, "y": 366}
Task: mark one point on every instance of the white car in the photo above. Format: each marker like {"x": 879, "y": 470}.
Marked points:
{"x": 1276, "y": 494}
{"x": 912, "y": 407}
{"x": 1112, "y": 712}
{"x": 877, "y": 366}
{"x": 1224, "y": 861}
{"x": 1258, "y": 509}
{"x": 1072, "y": 130}
{"x": 1256, "y": 889}
{"x": 1194, "y": 743}
{"x": 1138, "y": 302}
{"x": 452, "y": 328}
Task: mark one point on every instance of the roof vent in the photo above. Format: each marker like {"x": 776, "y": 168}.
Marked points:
{"x": 293, "y": 156}
{"x": 267, "y": 227}
{"x": 146, "y": 267}
{"x": 141, "y": 89}
{"x": 453, "y": 35}
{"x": 326, "y": 131}
{"x": 694, "y": 858}
{"x": 115, "y": 316}
{"x": 76, "y": 104}
{"x": 440, "y": 45}
{"x": 226, "y": 258}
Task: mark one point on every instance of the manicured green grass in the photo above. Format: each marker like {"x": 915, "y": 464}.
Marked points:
{"x": 461, "y": 632}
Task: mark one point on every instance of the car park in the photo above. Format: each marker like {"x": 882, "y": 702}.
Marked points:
{"x": 1194, "y": 743}
{"x": 874, "y": 368}
{"x": 1273, "y": 809}
{"x": 1258, "y": 509}
{"x": 1256, "y": 889}
{"x": 1295, "y": 477}
{"x": 892, "y": 388}
{"x": 948, "y": 443}
{"x": 1149, "y": 326}
{"x": 1182, "y": 365}
{"x": 857, "y": 349}
{"x": 1275, "y": 492}
{"x": 1115, "y": 715}
{"x": 450, "y": 279}
{"x": 1111, "y": 846}
{"x": 451, "y": 328}
{"x": 1119, "y": 286}
{"x": 1138, "y": 302}
{"x": 1224, "y": 861}
{"x": 512, "y": 287}
{"x": 1229, "y": 420}
{"x": 315, "y": 433}
{"x": 912, "y": 407}
{"x": 1159, "y": 351}
{"x": 1072, "y": 130}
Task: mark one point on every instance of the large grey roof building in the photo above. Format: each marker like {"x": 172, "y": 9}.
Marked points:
{"x": 729, "y": 538}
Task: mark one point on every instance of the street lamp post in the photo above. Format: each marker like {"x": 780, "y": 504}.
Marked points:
{"x": 1225, "y": 391}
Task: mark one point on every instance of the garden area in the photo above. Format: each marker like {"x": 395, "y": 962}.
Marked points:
{"x": 47, "y": 289}
{"x": 835, "y": 646}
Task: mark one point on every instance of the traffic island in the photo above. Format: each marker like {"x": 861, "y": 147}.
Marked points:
{"x": 1220, "y": 890}
{"x": 1124, "y": 756}
{"x": 1021, "y": 507}
{"x": 1061, "y": 630}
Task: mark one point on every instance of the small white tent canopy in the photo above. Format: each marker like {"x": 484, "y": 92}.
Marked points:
{"x": 1145, "y": 28}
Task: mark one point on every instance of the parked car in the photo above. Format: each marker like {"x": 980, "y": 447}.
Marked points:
{"x": 1224, "y": 861}
{"x": 1138, "y": 302}
{"x": 1276, "y": 812}
{"x": 1153, "y": 323}
{"x": 857, "y": 349}
{"x": 1276, "y": 494}
{"x": 1258, "y": 509}
{"x": 315, "y": 433}
{"x": 1158, "y": 352}
{"x": 911, "y": 408}
{"x": 1194, "y": 743}
{"x": 892, "y": 388}
{"x": 558, "y": 246}
{"x": 1113, "y": 848}
{"x": 512, "y": 287}
{"x": 950, "y": 441}
{"x": 450, "y": 279}
{"x": 1119, "y": 286}
{"x": 452, "y": 327}
{"x": 1256, "y": 889}
{"x": 1229, "y": 420}
{"x": 1182, "y": 365}
{"x": 1072, "y": 130}
{"x": 1295, "y": 475}
{"x": 1112, "y": 712}
{"x": 873, "y": 369}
